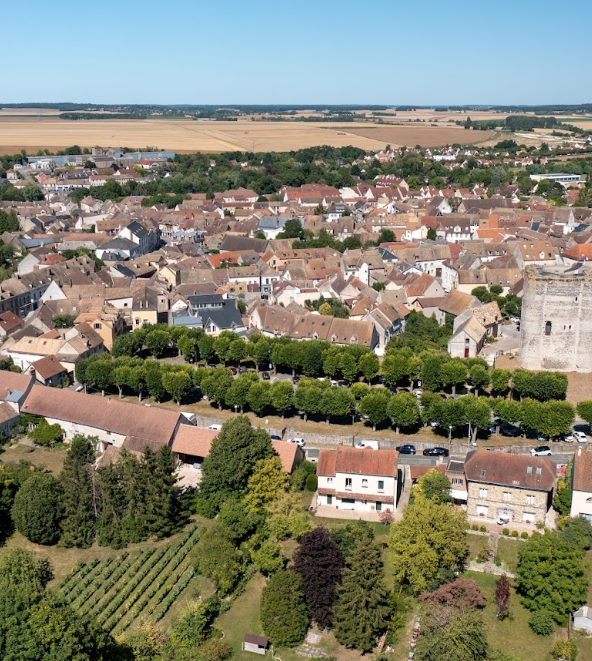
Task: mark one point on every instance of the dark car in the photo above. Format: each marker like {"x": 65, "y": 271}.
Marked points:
{"x": 233, "y": 370}
{"x": 275, "y": 437}
{"x": 507, "y": 429}
{"x": 406, "y": 449}
{"x": 435, "y": 452}
{"x": 265, "y": 376}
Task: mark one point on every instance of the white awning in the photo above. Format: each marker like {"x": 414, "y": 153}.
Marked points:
{"x": 459, "y": 495}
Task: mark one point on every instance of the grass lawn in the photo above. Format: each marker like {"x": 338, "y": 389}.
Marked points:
{"x": 507, "y": 552}
{"x": 242, "y": 618}
{"x": 476, "y": 544}
{"x": 51, "y": 458}
{"x": 513, "y": 635}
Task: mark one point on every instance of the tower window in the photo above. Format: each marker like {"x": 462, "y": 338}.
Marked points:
{"x": 548, "y": 328}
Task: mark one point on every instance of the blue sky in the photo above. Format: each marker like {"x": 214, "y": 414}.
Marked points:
{"x": 323, "y": 51}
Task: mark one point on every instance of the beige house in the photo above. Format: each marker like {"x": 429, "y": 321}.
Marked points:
{"x": 515, "y": 488}
{"x": 116, "y": 423}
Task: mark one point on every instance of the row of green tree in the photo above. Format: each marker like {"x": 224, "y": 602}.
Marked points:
{"x": 122, "y": 503}
{"x": 401, "y": 366}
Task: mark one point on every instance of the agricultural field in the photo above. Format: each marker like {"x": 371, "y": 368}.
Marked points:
{"x": 426, "y": 136}
{"x": 35, "y": 133}
{"x": 130, "y": 587}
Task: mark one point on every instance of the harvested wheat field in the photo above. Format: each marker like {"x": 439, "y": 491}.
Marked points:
{"x": 33, "y": 133}
{"x": 419, "y": 135}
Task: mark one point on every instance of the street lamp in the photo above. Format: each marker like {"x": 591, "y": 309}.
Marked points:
{"x": 449, "y": 434}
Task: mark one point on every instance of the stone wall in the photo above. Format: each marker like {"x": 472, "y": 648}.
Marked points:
{"x": 556, "y": 326}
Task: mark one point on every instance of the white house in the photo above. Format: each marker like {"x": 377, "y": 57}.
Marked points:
{"x": 363, "y": 480}
{"x": 581, "y": 500}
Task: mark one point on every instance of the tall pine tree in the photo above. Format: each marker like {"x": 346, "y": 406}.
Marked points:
{"x": 109, "y": 527}
{"x": 79, "y": 502}
{"x": 361, "y": 612}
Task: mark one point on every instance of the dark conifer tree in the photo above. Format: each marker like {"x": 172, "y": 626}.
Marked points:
{"x": 319, "y": 562}
{"x": 79, "y": 502}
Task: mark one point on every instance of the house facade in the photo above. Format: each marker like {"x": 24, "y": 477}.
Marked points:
{"x": 517, "y": 488}
{"x": 581, "y": 500}
{"x": 363, "y": 480}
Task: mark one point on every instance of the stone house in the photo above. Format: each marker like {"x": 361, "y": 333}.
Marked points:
{"x": 518, "y": 488}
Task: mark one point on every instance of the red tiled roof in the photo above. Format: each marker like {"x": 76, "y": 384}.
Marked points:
{"x": 512, "y": 470}
{"x": 357, "y": 461}
{"x": 582, "y": 480}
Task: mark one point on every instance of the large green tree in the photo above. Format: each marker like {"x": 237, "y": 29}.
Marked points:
{"x": 37, "y": 509}
{"x": 449, "y": 633}
{"x": 428, "y": 544}
{"x": 361, "y": 610}
{"x": 403, "y": 410}
{"x": 232, "y": 459}
{"x": 284, "y": 614}
{"x": 551, "y": 575}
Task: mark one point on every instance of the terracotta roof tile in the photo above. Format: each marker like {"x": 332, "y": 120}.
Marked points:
{"x": 582, "y": 480}
{"x": 512, "y": 470}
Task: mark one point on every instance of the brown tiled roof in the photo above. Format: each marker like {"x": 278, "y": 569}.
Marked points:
{"x": 7, "y": 413}
{"x": 582, "y": 475}
{"x": 326, "y": 463}
{"x": 148, "y": 423}
{"x": 196, "y": 441}
{"x": 48, "y": 367}
{"x": 417, "y": 471}
{"x": 456, "y": 302}
{"x": 512, "y": 470}
{"x": 357, "y": 461}
{"x": 9, "y": 320}
{"x": 11, "y": 381}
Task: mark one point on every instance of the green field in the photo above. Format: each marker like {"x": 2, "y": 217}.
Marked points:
{"x": 127, "y": 588}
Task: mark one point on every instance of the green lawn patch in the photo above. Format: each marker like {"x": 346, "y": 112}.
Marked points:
{"x": 513, "y": 635}
{"x": 476, "y": 544}
{"x": 507, "y": 552}
{"x": 242, "y": 618}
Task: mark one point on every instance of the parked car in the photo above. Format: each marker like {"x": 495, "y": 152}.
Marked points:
{"x": 298, "y": 441}
{"x": 275, "y": 437}
{"x": 506, "y": 429}
{"x": 242, "y": 369}
{"x": 502, "y": 520}
{"x": 577, "y": 436}
{"x": 367, "y": 444}
{"x": 406, "y": 449}
{"x": 515, "y": 320}
{"x": 334, "y": 382}
{"x": 541, "y": 451}
{"x": 435, "y": 452}
{"x": 233, "y": 370}
{"x": 215, "y": 427}
{"x": 265, "y": 376}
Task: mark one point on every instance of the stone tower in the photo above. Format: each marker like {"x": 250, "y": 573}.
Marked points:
{"x": 556, "y": 326}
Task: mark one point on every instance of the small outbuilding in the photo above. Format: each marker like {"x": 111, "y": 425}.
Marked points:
{"x": 255, "y": 644}
{"x": 582, "y": 619}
